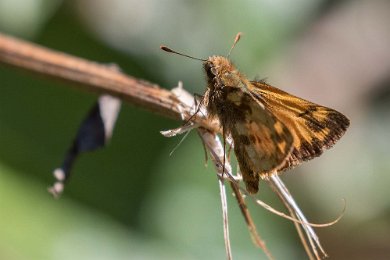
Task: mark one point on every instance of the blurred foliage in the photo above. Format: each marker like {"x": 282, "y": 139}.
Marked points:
{"x": 131, "y": 200}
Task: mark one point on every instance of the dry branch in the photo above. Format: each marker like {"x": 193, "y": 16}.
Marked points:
{"x": 92, "y": 76}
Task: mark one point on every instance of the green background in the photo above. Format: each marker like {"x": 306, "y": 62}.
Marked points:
{"x": 131, "y": 200}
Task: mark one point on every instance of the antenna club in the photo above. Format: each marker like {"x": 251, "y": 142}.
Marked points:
{"x": 165, "y": 48}
{"x": 238, "y": 37}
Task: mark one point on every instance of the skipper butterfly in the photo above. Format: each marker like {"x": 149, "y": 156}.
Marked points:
{"x": 272, "y": 130}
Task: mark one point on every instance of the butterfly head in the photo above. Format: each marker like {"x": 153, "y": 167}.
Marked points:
{"x": 221, "y": 72}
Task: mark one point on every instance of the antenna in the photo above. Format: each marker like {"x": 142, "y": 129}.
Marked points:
{"x": 238, "y": 37}
{"x": 165, "y": 48}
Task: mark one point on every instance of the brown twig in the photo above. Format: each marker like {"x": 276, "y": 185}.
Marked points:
{"x": 92, "y": 76}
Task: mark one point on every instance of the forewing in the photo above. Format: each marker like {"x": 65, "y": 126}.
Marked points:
{"x": 261, "y": 142}
{"x": 313, "y": 127}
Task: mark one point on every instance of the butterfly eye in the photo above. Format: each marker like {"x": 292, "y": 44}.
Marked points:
{"x": 213, "y": 70}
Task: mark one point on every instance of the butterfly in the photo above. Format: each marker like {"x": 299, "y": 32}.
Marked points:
{"x": 272, "y": 130}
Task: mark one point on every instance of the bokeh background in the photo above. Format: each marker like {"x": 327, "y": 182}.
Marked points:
{"x": 131, "y": 200}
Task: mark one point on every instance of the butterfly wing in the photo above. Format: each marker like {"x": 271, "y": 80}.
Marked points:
{"x": 261, "y": 142}
{"x": 313, "y": 127}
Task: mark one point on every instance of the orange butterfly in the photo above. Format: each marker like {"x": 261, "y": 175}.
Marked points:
{"x": 272, "y": 130}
